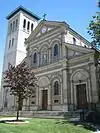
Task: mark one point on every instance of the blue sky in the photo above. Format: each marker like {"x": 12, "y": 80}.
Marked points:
{"x": 77, "y": 13}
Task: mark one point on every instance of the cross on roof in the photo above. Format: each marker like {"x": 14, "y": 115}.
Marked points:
{"x": 44, "y": 16}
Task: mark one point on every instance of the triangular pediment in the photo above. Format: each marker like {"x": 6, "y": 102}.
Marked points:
{"x": 75, "y": 50}
{"x": 73, "y": 53}
{"x": 45, "y": 27}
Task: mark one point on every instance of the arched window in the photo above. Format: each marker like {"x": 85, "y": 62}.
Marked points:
{"x": 24, "y": 23}
{"x": 13, "y": 28}
{"x": 56, "y": 88}
{"x": 16, "y": 23}
{"x": 31, "y": 27}
{"x": 56, "y": 50}
{"x": 12, "y": 41}
{"x": 35, "y": 58}
{"x": 44, "y": 56}
{"x": 10, "y": 27}
{"x": 9, "y": 43}
{"x": 28, "y": 25}
{"x": 74, "y": 41}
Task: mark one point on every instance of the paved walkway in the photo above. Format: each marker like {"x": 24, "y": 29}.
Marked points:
{"x": 97, "y": 132}
{"x": 11, "y": 118}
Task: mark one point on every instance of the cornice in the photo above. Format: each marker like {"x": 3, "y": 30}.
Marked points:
{"x": 46, "y": 35}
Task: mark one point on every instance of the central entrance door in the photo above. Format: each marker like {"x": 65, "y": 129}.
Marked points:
{"x": 81, "y": 96}
{"x": 44, "y": 99}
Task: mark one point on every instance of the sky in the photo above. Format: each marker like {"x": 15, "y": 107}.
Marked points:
{"x": 77, "y": 13}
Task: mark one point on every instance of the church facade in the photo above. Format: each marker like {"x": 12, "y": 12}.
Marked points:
{"x": 64, "y": 65}
{"x": 62, "y": 60}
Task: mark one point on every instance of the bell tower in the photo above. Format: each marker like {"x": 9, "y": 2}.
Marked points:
{"x": 21, "y": 22}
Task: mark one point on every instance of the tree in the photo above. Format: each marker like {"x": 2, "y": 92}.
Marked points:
{"x": 21, "y": 82}
{"x": 94, "y": 29}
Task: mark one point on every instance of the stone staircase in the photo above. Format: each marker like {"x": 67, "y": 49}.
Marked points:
{"x": 51, "y": 114}
{"x": 44, "y": 114}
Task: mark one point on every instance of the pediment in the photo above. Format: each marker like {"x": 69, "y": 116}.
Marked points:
{"x": 45, "y": 27}
{"x": 83, "y": 75}
{"x": 75, "y": 50}
{"x": 73, "y": 53}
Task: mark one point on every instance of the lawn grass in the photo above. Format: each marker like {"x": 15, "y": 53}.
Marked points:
{"x": 42, "y": 126}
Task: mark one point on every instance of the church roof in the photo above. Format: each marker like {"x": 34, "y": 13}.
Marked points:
{"x": 21, "y": 8}
{"x": 59, "y": 24}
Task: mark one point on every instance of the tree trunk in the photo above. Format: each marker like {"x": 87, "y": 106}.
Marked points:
{"x": 17, "y": 114}
{"x": 18, "y": 108}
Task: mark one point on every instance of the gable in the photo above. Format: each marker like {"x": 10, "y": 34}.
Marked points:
{"x": 72, "y": 53}
{"x": 45, "y": 27}
{"x": 74, "y": 50}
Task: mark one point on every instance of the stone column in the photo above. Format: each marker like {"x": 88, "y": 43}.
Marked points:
{"x": 72, "y": 96}
{"x": 94, "y": 97}
{"x": 60, "y": 51}
{"x": 29, "y": 60}
{"x": 40, "y": 98}
{"x": 89, "y": 89}
{"x": 37, "y": 98}
{"x": 89, "y": 85}
{"x": 49, "y": 57}
{"x": 65, "y": 105}
{"x": 64, "y": 51}
{"x": 49, "y": 98}
{"x": 38, "y": 58}
{"x": 61, "y": 93}
{"x": 75, "y": 96}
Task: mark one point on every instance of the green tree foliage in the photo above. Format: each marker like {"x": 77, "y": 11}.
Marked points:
{"x": 94, "y": 28}
{"x": 21, "y": 82}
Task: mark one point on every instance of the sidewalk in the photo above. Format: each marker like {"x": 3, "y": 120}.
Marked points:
{"x": 11, "y": 118}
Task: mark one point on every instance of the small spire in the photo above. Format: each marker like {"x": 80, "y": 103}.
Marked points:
{"x": 44, "y": 16}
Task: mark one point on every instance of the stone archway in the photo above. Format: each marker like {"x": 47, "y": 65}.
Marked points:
{"x": 44, "y": 92}
{"x": 43, "y": 82}
{"x": 80, "y": 91}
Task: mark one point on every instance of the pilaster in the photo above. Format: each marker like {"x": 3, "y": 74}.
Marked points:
{"x": 49, "y": 52}
{"x": 40, "y": 98}
{"x": 37, "y": 97}
{"x": 64, "y": 72}
{"x": 94, "y": 84}
{"x": 62, "y": 100}
{"x": 64, "y": 51}
{"x": 38, "y": 58}
{"x": 49, "y": 98}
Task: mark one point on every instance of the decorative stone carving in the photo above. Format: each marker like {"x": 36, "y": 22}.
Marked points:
{"x": 80, "y": 75}
{"x": 44, "y": 29}
{"x": 43, "y": 82}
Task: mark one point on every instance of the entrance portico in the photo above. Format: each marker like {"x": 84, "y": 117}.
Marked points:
{"x": 45, "y": 94}
{"x": 44, "y": 99}
{"x": 80, "y": 91}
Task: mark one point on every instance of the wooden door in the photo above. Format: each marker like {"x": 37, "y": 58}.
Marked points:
{"x": 44, "y": 99}
{"x": 81, "y": 96}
